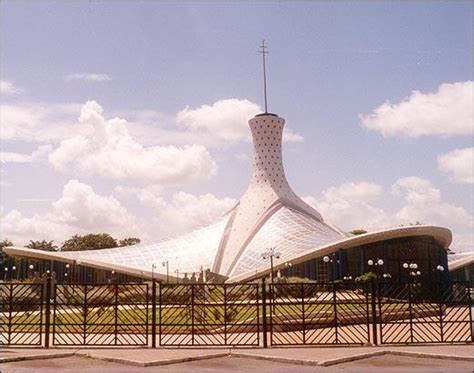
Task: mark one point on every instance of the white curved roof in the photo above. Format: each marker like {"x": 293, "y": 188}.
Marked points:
{"x": 459, "y": 260}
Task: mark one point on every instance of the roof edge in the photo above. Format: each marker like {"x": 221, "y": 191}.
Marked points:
{"x": 442, "y": 235}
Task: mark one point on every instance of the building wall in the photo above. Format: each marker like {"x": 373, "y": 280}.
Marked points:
{"x": 353, "y": 262}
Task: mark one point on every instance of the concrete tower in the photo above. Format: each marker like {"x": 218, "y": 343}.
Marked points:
{"x": 267, "y": 193}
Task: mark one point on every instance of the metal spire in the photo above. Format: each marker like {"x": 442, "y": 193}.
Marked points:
{"x": 263, "y": 51}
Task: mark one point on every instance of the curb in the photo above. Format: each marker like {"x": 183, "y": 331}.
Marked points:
{"x": 347, "y": 359}
{"x": 35, "y": 357}
{"x": 287, "y": 360}
{"x": 308, "y": 362}
{"x": 276, "y": 359}
{"x": 152, "y": 363}
{"x": 430, "y": 355}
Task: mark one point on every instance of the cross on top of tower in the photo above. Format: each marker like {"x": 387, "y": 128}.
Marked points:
{"x": 264, "y": 51}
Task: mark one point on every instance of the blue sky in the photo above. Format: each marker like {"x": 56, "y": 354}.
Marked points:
{"x": 330, "y": 66}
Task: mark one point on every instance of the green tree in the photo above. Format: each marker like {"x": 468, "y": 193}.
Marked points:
{"x": 42, "y": 245}
{"x": 3, "y": 256}
{"x": 358, "y": 231}
{"x": 89, "y": 242}
{"x": 129, "y": 241}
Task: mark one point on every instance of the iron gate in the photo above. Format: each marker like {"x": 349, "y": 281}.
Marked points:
{"x": 319, "y": 314}
{"x": 209, "y": 315}
{"x": 105, "y": 314}
{"x": 407, "y": 314}
{"x": 21, "y": 307}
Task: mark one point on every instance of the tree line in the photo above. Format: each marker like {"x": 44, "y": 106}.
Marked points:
{"x": 91, "y": 241}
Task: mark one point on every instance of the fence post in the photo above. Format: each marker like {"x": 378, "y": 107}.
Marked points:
{"x": 10, "y": 313}
{"x": 469, "y": 299}
{"x": 47, "y": 319}
{"x": 153, "y": 314}
{"x": 373, "y": 290}
{"x": 410, "y": 309}
{"x": 440, "y": 309}
{"x": 116, "y": 313}
{"x": 334, "y": 304}
{"x": 264, "y": 313}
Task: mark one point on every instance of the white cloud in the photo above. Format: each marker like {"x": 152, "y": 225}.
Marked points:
{"x": 448, "y": 112}
{"x": 181, "y": 213}
{"x": 7, "y": 88}
{"x": 458, "y": 164}
{"x": 111, "y": 152}
{"x": 39, "y": 122}
{"x": 423, "y": 203}
{"x": 91, "y": 77}
{"x": 38, "y": 154}
{"x": 227, "y": 119}
{"x": 79, "y": 210}
{"x": 348, "y": 206}
{"x": 356, "y": 205}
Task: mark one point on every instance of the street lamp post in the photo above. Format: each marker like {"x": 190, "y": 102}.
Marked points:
{"x": 288, "y": 265}
{"x": 78, "y": 275}
{"x": 414, "y": 272}
{"x": 30, "y": 272}
{"x": 440, "y": 270}
{"x": 67, "y": 273}
{"x": 270, "y": 254}
{"x": 13, "y": 272}
{"x": 332, "y": 260}
{"x": 167, "y": 265}
{"x": 376, "y": 264}
{"x": 5, "y": 274}
{"x": 177, "y": 275}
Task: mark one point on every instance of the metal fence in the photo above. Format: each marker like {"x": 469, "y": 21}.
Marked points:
{"x": 319, "y": 314}
{"x": 408, "y": 315}
{"x": 21, "y": 308}
{"x": 338, "y": 313}
{"x": 105, "y": 314}
{"x": 209, "y": 315}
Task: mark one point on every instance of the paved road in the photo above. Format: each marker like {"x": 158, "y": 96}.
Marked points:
{"x": 242, "y": 365}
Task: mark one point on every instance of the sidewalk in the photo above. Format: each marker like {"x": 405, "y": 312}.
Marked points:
{"x": 315, "y": 356}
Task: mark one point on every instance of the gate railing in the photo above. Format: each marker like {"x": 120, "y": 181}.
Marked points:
{"x": 257, "y": 314}
{"x": 209, "y": 315}
{"x": 319, "y": 314}
{"x": 408, "y": 315}
{"x": 21, "y": 309}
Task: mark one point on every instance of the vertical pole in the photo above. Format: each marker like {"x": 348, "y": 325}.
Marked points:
{"x": 334, "y": 302}
{"x": 153, "y": 314}
{"x": 84, "y": 316}
{"x": 225, "y": 313}
{"x": 116, "y": 312}
{"x": 47, "y": 312}
{"x": 440, "y": 300}
{"x": 271, "y": 268}
{"x": 469, "y": 305}
{"x": 303, "y": 314}
{"x": 264, "y": 313}
{"x": 192, "y": 312}
{"x": 410, "y": 310}
{"x": 161, "y": 315}
{"x": 10, "y": 310}
{"x": 257, "y": 299}
{"x": 373, "y": 290}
